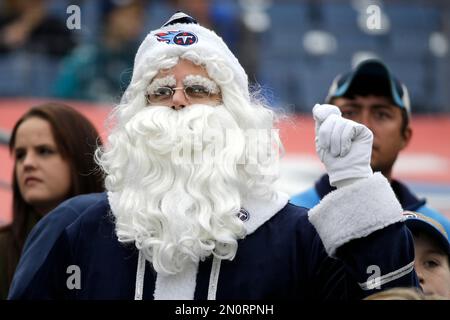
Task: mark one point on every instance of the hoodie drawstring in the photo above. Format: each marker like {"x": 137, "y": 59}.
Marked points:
{"x": 213, "y": 278}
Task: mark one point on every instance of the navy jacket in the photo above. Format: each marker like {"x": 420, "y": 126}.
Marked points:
{"x": 283, "y": 259}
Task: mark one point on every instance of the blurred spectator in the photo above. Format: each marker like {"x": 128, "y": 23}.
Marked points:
{"x": 101, "y": 71}
{"x": 432, "y": 254}
{"x": 26, "y": 25}
{"x": 53, "y": 147}
{"x": 432, "y": 262}
{"x": 371, "y": 95}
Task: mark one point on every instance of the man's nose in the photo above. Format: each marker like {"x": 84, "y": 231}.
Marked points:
{"x": 365, "y": 119}
{"x": 419, "y": 274}
{"x": 179, "y": 100}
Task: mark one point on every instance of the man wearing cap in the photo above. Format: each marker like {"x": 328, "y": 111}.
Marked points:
{"x": 191, "y": 213}
{"x": 372, "y": 96}
{"x": 432, "y": 254}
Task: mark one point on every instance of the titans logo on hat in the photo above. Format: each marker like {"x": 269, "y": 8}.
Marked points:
{"x": 181, "y": 38}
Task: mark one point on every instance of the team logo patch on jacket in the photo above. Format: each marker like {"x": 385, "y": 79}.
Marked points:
{"x": 243, "y": 215}
{"x": 181, "y": 38}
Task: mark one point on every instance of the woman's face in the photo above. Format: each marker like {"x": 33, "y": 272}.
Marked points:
{"x": 42, "y": 174}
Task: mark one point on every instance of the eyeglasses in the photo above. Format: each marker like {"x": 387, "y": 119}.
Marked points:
{"x": 194, "y": 94}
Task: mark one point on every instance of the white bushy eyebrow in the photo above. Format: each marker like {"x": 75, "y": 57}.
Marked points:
{"x": 168, "y": 81}
{"x": 209, "y": 84}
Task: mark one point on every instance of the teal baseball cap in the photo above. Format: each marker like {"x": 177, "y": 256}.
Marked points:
{"x": 421, "y": 223}
{"x": 370, "y": 76}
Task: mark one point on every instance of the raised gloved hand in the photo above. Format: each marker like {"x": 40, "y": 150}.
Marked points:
{"x": 344, "y": 146}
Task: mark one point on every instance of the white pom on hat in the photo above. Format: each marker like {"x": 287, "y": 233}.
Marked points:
{"x": 181, "y": 34}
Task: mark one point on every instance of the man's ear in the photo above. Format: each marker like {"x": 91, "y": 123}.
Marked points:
{"x": 407, "y": 135}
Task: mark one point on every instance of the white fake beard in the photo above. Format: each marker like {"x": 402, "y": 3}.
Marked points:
{"x": 176, "y": 211}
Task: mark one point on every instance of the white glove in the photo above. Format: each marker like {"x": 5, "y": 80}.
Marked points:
{"x": 344, "y": 146}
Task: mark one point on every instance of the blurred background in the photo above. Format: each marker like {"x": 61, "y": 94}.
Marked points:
{"x": 81, "y": 53}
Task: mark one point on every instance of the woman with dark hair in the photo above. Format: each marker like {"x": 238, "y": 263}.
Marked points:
{"x": 53, "y": 148}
